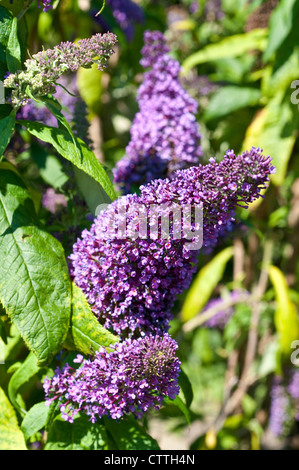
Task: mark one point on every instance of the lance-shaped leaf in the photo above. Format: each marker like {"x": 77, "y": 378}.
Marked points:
{"x": 204, "y": 284}
{"x": 13, "y": 50}
{"x": 7, "y": 125}
{"x": 128, "y": 434}
{"x": 282, "y": 20}
{"x": 79, "y": 435}
{"x": 232, "y": 46}
{"x": 74, "y": 150}
{"x": 86, "y": 333}
{"x": 21, "y": 376}
{"x": 35, "y": 419}
{"x": 11, "y": 436}
{"x": 5, "y": 28}
{"x": 286, "y": 316}
{"x": 275, "y": 128}
{"x": 35, "y": 287}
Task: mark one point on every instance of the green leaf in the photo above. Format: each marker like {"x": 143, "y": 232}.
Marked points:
{"x": 286, "y": 316}
{"x": 279, "y": 80}
{"x": 91, "y": 88}
{"x": 14, "y": 6}
{"x": 186, "y": 388}
{"x": 178, "y": 403}
{"x": 229, "y": 99}
{"x": 91, "y": 190}
{"x": 79, "y": 435}
{"x": 35, "y": 419}
{"x": 11, "y": 437}
{"x": 204, "y": 284}
{"x": 50, "y": 167}
{"x": 282, "y": 20}
{"x": 87, "y": 334}
{"x": 3, "y": 335}
{"x": 128, "y": 434}
{"x": 5, "y": 110}
{"x": 7, "y": 125}
{"x": 275, "y": 129}
{"x": 5, "y": 27}
{"x": 23, "y": 374}
{"x": 268, "y": 361}
{"x": 249, "y": 405}
{"x": 231, "y": 46}
{"x": 63, "y": 143}
{"x": 55, "y": 108}
{"x": 35, "y": 287}
{"x": 13, "y": 49}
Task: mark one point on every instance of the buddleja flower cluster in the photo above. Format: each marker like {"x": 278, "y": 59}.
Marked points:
{"x": 44, "y": 68}
{"x": 164, "y": 133}
{"x": 132, "y": 281}
{"x": 134, "y": 376}
{"x": 47, "y": 4}
{"x": 284, "y": 408}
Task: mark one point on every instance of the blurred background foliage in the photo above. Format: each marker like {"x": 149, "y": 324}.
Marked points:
{"x": 240, "y": 60}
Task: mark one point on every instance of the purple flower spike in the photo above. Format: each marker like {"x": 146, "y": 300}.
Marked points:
{"x": 47, "y": 5}
{"x": 131, "y": 270}
{"x": 280, "y": 417}
{"x": 134, "y": 376}
{"x": 164, "y": 133}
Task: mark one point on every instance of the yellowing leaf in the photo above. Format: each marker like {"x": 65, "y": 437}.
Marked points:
{"x": 286, "y": 316}
{"x": 86, "y": 334}
{"x": 275, "y": 130}
{"x": 91, "y": 87}
{"x": 232, "y": 46}
{"x": 11, "y": 437}
{"x": 204, "y": 284}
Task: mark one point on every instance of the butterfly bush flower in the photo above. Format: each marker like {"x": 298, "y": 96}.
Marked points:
{"x": 52, "y": 200}
{"x": 47, "y": 5}
{"x": 164, "y": 133}
{"x": 224, "y": 313}
{"x": 281, "y": 418}
{"x": 44, "y": 68}
{"x": 293, "y": 389}
{"x": 134, "y": 376}
{"x": 131, "y": 270}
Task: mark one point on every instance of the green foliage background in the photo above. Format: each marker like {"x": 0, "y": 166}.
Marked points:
{"x": 241, "y": 62}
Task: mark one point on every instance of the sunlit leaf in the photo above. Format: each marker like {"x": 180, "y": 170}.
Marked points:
{"x": 35, "y": 419}
{"x": 34, "y": 282}
{"x": 86, "y": 333}
{"x": 231, "y": 46}
{"x": 275, "y": 129}
{"x": 11, "y": 436}
{"x": 64, "y": 144}
{"x": 128, "y": 434}
{"x": 286, "y": 316}
{"x": 204, "y": 284}
{"x": 281, "y": 22}
{"x": 82, "y": 434}
{"x": 229, "y": 99}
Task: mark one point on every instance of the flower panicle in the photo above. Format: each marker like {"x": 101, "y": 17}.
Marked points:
{"x": 132, "y": 281}
{"x": 43, "y": 69}
{"x": 164, "y": 135}
{"x": 132, "y": 377}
